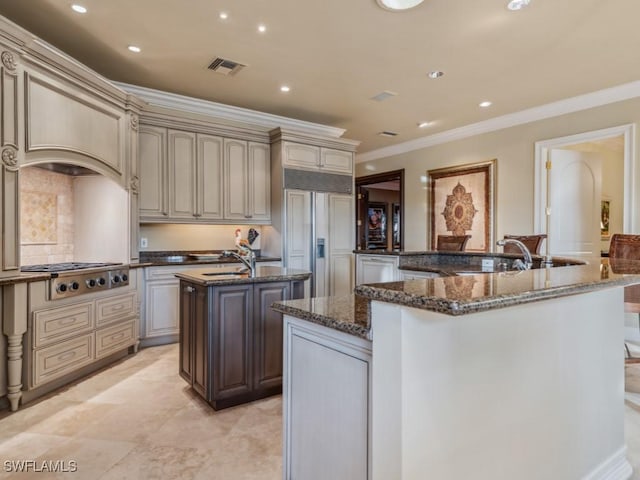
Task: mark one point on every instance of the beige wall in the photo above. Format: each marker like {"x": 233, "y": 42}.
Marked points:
{"x": 514, "y": 150}
{"x": 174, "y": 237}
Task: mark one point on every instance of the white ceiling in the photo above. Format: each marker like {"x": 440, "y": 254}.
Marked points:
{"x": 337, "y": 54}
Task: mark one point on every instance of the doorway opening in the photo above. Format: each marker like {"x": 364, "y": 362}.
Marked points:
{"x": 587, "y": 193}
{"x": 380, "y": 211}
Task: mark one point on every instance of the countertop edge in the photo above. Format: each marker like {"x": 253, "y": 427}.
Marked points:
{"x": 463, "y": 307}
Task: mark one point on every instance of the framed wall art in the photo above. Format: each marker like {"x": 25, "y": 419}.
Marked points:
{"x": 462, "y": 202}
{"x": 376, "y": 225}
{"x": 605, "y": 212}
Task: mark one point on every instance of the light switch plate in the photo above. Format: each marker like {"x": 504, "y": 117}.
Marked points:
{"x": 487, "y": 264}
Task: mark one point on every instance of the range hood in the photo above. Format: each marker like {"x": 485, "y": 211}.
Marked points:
{"x": 66, "y": 169}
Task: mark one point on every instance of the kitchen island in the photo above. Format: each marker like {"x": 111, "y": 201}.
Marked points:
{"x": 230, "y": 338}
{"x": 516, "y": 374}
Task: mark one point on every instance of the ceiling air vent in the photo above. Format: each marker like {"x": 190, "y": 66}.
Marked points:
{"x": 383, "y": 96}
{"x": 225, "y": 67}
{"x": 387, "y": 134}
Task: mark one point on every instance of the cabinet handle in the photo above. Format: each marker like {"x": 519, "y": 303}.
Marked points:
{"x": 189, "y": 289}
{"x": 68, "y": 321}
{"x": 66, "y": 356}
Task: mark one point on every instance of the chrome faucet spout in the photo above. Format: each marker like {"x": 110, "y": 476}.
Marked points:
{"x": 249, "y": 262}
{"x": 528, "y": 261}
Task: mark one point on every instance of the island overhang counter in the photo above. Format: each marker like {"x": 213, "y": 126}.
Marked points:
{"x": 492, "y": 376}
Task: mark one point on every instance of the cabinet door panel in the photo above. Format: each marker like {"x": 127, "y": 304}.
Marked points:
{"x": 233, "y": 341}
{"x": 336, "y": 160}
{"x": 182, "y": 173}
{"x": 161, "y": 308}
{"x": 268, "y": 336}
{"x": 152, "y": 143}
{"x": 235, "y": 174}
{"x": 341, "y": 243}
{"x": 328, "y": 412}
{"x": 200, "y": 338}
{"x": 209, "y": 177}
{"x": 259, "y": 181}
{"x": 299, "y": 155}
{"x": 186, "y": 332}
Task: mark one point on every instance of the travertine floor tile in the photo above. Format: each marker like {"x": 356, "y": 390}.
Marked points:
{"x": 139, "y": 420}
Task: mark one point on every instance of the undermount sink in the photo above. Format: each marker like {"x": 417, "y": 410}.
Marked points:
{"x": 227, "y": 274}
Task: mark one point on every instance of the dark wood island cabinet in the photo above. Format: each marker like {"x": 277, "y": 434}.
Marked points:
{"x": 230, "y": 339}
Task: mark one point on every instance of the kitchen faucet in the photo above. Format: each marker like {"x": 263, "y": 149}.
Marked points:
{"x": 518, "y": 264}
{"x": 250, "y": 263}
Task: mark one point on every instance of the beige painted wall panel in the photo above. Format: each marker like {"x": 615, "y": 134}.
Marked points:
{"x": 514, "y": 150}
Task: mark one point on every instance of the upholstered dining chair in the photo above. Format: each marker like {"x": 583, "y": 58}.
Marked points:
{"x": 625, "y": 246}
{"x": 452, "y": 243}
{"x": 532, "y": 242}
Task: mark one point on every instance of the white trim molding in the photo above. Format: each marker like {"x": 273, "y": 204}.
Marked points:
{"x": 183, "y": 103}
{"x": 550, "y": 110}
{"x": 541, "y": 155}
{"x": 616, "y": 467}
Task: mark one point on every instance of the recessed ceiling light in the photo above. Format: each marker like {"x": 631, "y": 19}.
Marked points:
{"x": 399, "y": 4}
{"x": 262, "y": 28}
{"x": 517, "y": 4}
{"x": 224, "y": 15}
{"x": 285, "y": 88}
{"x": 424, "y": 124}
{"x": 435, "y": 74}
{"x": 78, "y": 8}
{"x": 485, "y": 104}
{"x": 134, "y": 49}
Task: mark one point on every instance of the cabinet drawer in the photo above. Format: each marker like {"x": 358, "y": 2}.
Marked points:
{"x": 117, "y": 337}
{"x": 56, "y": 324}
{"x": 57, "y": 360}
{"x": 301, "y": 155}
{"x": 114, "y": 308}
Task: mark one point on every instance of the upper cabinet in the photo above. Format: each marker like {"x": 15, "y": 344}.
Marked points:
{"x": 247, "y": 181}
{"x": 297, "y": 155}
{"x": 188, "y": 177}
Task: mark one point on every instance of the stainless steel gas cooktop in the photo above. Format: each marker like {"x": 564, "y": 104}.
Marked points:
{"x": 77, "y": 278}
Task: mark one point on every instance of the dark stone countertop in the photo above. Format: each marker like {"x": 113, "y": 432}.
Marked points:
{"x": 348, "y": 313}
{"x": 239, "y": 275}
{"x": 24, "y": 278}
{"x": 198, "y": 257}
{"x": 462, "y": 294}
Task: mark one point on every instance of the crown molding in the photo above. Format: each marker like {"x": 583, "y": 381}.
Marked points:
{"x": 220, "y": 111}
{"x": 569, "y": 105}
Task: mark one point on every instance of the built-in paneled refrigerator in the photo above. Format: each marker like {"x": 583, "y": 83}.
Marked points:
{"x": 319, "y": 236}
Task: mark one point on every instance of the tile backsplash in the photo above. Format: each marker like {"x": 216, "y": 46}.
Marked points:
{"x": 46, "y": 217}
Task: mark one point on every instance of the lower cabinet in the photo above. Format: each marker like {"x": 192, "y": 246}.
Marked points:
{"x": 326, "y": 403}
{"x": 63, "y": 339}
{"x": 231, "y": 340}
{"x": 376, "y": 268}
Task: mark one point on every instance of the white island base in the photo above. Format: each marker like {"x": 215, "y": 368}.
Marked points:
{"x": 533, "y": 391}
{"x": 529, "y": 392}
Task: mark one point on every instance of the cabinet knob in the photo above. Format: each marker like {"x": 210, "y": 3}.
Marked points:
{"x": 190, "y": 289}
{"x": 248, "y": 216}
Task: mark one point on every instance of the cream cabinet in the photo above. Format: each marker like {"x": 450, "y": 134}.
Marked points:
{"x": 154, "y": 184}
{"x": 160, "y": 319}
{"x": 195, "y": 175}
{"x": 67, "y": 335}
{"x": 188, "y": 177}
{"x": 296, "y": 155}
{"x": 247, "y": 181}
{"x": 376, "y": 269}
{"x": 326, "y": 385}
